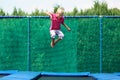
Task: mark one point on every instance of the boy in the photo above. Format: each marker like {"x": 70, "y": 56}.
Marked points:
{"x": 56, "y": 20}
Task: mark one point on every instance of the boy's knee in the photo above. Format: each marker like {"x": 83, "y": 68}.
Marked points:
{"x": 61, "y": 36}
{"x": 52, "y": 36}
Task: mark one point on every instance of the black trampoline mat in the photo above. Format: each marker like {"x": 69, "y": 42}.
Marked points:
{"x": 65, "y": 78}
{"x": 2, "y": 75}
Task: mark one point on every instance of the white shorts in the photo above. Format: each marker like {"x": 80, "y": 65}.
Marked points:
{"x": 59, "y": 33}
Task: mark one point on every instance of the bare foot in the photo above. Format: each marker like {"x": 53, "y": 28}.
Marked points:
{"x": 52, "y": 44}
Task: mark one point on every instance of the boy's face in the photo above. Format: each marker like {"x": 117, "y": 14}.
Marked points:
{"x": 60, "y": 14}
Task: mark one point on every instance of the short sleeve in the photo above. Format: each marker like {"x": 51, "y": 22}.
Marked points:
{"x": 51, "y": 15}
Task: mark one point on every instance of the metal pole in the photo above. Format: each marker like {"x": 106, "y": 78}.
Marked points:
{"x": 28, "y": 45}
{"x": 101, "y": 43}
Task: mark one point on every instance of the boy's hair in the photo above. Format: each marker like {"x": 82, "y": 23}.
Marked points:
{"x": 60, "y": 10}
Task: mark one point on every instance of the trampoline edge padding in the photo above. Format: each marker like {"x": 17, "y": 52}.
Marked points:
{"x": 117, "y": 73}
{"x": 65, "y": 74}
{"x": 8, "y": 72}
{"x": 105, "y": 76}
{"x": 23, "y": 75}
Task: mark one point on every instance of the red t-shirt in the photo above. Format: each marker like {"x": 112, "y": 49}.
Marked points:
{"x": 56, "y": 22}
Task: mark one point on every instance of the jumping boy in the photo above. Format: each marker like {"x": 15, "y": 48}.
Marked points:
{"x": 56, "y": 20}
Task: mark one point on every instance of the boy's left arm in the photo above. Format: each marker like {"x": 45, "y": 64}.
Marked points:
{"x": 66, "y": 27}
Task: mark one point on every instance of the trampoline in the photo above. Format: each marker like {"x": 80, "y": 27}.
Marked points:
{"x": 65, "y": 76}
{"x": 29, "y": 75}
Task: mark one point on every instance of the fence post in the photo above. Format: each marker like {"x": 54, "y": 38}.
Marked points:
{"x": 28, "y": 44}
{"x": 101, "y": 43}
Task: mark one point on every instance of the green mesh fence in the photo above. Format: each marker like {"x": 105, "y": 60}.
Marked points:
{"x": 88, "y": 45}
{"x": 60, "y": 58}
{"x": 25, "y": 45}
{"x": 111, "y": 45}
{"x": 13, "y": 43}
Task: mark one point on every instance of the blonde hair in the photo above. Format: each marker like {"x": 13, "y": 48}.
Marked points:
{"x": 60, "y": 10}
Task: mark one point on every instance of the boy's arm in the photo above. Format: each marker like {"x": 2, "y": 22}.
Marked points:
{"x": 66, "y": 27}
{"x": 49, "y": 14}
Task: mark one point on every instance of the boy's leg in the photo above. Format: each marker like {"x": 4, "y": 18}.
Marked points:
{"x": 60, "y": 36}
{"x": 56, "y": 41}
{"x": 53, "y": 34}
{"x": 52, "y": 42}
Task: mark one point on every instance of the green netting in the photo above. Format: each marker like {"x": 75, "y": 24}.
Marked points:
{"x": 60, "y": 58}
{"x": 13, "y": 42}
{"x": 88, "y": 52}
{"x": 25, "y": 43}
{"x": 111, "y": 44}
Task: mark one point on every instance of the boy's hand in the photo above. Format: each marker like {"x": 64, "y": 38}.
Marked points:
{"x": 68, "y": 29}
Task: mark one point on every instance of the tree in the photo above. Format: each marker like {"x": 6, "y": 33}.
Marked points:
{"x": 42, "y": 13}
{"x": 15, "y": 12}
{"x": 81, "y": 12}
{"x": 2, "y": 13}
{"x": 36, "y": 12}
{"x": 96, "y": 8}
{"x": 114, "y": 11}
{"x": 103, "y": 8}
{"x": 89, "y": 12}
{"x": 68, "y": 14}
{"x": 75, "y": 11}
{"x": 56, "y": 7}
{"x": 21, "y": 13}
{"x": 99, "y": 8}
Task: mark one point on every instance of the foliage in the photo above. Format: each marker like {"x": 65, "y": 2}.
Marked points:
{"x": 99, "y": 8}
{"x": 2, "y": 13}
{"x": 75, "y": 11}
{"x": 56, "y": 7}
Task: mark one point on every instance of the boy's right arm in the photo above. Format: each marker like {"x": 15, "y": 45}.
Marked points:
{"x": 49, "y": 14}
